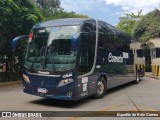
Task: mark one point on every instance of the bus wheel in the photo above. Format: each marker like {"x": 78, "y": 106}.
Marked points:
{"x": 101, "y": 88}
{"x": 137, "y": 77}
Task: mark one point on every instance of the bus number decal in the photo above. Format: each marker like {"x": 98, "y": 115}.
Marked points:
{"x": 85, "y": 80}
{"x": 84, "y": 94}
{"x": 125, "y": 55}
{"x": 67, "y": 75}
{"x": 84, "y": 87}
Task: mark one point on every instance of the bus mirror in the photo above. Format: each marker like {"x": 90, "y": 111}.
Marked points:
{"x": 74, "y": 43}
{"x": 19, "y": 47}
{"x": 15, "y": 42}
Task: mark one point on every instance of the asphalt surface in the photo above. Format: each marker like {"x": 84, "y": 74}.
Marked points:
{"x": 144, "y": 96}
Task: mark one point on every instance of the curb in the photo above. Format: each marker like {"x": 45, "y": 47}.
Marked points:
{"x": 10, "y": 83}
{"x": 153, "y": 77}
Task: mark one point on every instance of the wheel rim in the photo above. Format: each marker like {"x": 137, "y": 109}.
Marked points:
{"x": 138, "y": 77}
{"x": 100, "y": 87}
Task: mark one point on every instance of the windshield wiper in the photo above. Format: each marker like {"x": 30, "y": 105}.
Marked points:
{"x": 31, "y": 69}
{"x": 53, "y": 65}
{"x": 42, "y": 50}
{"x": 51, "y": 54}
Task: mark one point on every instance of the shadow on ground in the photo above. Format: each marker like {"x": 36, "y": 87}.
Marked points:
{"x": 74, "y": 104}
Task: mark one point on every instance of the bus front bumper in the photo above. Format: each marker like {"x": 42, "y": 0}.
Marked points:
{"x": 51, "y": 91}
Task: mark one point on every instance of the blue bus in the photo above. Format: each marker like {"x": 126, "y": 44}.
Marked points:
{"x": 74, "y": 58}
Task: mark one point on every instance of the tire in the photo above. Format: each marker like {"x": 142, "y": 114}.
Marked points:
{"x": 137, "y": 78}
{"x": 101, "y": 88}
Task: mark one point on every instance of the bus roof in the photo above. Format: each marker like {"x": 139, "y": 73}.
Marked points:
{"x": 75, "y": 21}
{"x": 61, "y": 22}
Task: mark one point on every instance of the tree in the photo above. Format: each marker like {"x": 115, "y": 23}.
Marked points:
{"x": 148, "y": 27}
{"x": 128, "y": 22}
{"x": 16, "y": 18}
{"x": 63, "y": 14}
{"x": 127, "y": 26}
{"x": 51, "y": 10}
{"x": 48, "y": 7}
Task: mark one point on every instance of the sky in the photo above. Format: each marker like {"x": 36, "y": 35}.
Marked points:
{"x": 109, "y": 10}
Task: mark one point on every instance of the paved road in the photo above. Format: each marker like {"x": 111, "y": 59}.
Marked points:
{"x": 131, "y": 97}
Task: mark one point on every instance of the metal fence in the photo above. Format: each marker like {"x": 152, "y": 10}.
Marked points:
{"x": 6, "y": 74}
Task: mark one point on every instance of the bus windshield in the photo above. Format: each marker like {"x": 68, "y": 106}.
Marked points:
{"x": 52, "y": 49}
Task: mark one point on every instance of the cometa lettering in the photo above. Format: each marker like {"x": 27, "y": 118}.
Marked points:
{"x": 116, "y": 59}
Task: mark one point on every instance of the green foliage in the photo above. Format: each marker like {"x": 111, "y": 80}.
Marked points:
{"x": 48, "y": 7}
{"x": 128, "y": 22}
{"x": 127, "y": 26}
{"x": 51, "y": 10}
{"x": 148, "y": 27}
{"x": 16, "y": 18}
{"x": 134, "y": 16}
{"x": 63, "y": 14}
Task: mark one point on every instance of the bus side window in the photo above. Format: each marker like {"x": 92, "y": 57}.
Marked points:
{"x": 106, "y": 40}
{"x": 123, "y": 43}
{"x": 89, "y": 26}
{"x": 83, "y": 60}
{"x": 87, "y": 47}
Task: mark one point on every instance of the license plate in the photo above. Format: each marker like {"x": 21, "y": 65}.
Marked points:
{"x": 42, "y": 90}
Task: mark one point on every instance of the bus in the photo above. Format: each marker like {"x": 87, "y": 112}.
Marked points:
{"x": 74, "y": 58}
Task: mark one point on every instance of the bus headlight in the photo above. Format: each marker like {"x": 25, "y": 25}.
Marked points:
{"x": 26, "y": 78}
{"x": 65, "y": 82}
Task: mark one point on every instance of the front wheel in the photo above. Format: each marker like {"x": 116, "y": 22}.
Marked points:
{"x": 101, "y": 88}
{"x": 137, "y": 77}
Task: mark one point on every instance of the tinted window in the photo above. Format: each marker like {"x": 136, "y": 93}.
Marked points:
{"x": 89, "y": 26}
{"x": 87, "y": 48}
{"x": 157, "y": 52}
{"x": 111, "y": 38}
{"x": 140, "y": 53}
{"x": 153, "y": 53}
{"x": 105, "y": 37}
